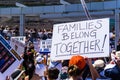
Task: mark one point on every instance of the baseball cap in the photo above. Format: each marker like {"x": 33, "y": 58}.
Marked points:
{"x": 99, "y": 63}
{"x": 78, "y": 60}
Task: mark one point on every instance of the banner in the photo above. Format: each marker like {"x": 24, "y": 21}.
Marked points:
{"x": 89, "y": 38}
{"x": 18, "y": 44}
{"x": 9, "y": 59}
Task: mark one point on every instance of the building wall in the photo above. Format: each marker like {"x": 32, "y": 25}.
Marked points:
{"x": 7, "y": 3}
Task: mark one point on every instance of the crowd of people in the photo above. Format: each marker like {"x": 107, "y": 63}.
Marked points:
{"x": 31, "y": 33}
{"x": 37, "y": 66}
{"x": 76, "y": 68}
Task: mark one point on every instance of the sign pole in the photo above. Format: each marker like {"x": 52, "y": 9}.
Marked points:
{"x": 85, "y": 9}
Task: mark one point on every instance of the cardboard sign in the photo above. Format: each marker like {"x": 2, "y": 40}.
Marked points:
{"x": 9, "y": 59}
{"x": 18, "y": 44}
{"x": 45, "y": 46}
{"x": 88, "y": 38}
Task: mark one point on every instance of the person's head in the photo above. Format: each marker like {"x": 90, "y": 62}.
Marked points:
{"x": 53, "y": 73}
{"x": 31, "y": 45}
{"x": 74, "y": 72}
{"x": 114, "y": 51}
{"x": 118, "y": 58}
{"x": 117, "y": 61}
{"x": 65, "y": 63}
{"x": 99, "y": 65}
{"x": 79, "y": 61}
{"x": 39, "y": 59}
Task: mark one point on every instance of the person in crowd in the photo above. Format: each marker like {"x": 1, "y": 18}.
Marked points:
{"x": 112, "y": 56}
{"x": 118, "y": 46}
{"x": 49, "y": 34}
{"x": 56, "y": 64}
{"x": 74, "y": 72}
{"x": 28, "y": 62}
{"x": 40, "y": 67}
{"x": 43, "y": 35}
{"x": 63, "y": 72}
{"x": 16, "y": 31}
{"x": 52, "y": 73}
{"x": 9, "y": 34}
{"x": 35, "y": 34}
{"x": 29, "y": 66}
{"x": 112, "y": 38}
{"x": 113, "y": 70}
{"x": 78, "y": 63}
{"x": 99, "y": 65}
{"x": 1, "y": 31}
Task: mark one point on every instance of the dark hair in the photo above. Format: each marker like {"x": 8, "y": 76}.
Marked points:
{"x": 73, "y": 70}
{"x": 53, "y": 73}
{"x": 65, "y": 63}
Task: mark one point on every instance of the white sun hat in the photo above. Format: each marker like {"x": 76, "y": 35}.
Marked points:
{"x": 99, "y": 63}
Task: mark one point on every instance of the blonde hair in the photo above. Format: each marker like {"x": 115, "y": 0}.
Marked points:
{"x": 73, "y": 70}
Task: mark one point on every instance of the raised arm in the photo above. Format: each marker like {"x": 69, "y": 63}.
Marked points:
{"x": 93, "y": 71}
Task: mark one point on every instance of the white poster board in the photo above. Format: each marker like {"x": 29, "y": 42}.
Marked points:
{"x": 45, "y": 45}
{"x": 36, "y": 45}
{"x": 18, "y": 44}
{"x": 89, "y": 38}
{"x": 20, "y": 38}
{"x": 9, "y": 60}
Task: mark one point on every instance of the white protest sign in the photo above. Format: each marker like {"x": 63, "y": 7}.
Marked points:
{"x": 18, "y": 44}
{"x": 19, "y": 38}
{"x": 45, "y": 45}
{"x": 9, "y": 59}
{"x": 36, "y": 45}
{"x": 88, "y": 38}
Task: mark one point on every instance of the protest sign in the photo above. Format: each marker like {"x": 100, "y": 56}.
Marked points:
{"x": 37, "y": 45}
{"x": 19, "y": 38}
{"x": 9, "y": 59}
{"x": 87, "y": 38}
{"x": 18, "y": 44}
{"x": 45, "y": 46}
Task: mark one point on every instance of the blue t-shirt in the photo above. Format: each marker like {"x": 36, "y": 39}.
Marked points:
{"x": 113, "y": 73}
